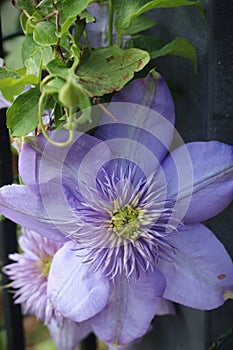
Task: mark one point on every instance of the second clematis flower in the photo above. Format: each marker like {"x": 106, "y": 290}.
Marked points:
{"x": 127, "y": 204}
{"x": 29, "y": 273}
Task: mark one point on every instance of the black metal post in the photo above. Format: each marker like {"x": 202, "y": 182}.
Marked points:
{"x": 89, "y": 343}
{"x": 8, "y": 241}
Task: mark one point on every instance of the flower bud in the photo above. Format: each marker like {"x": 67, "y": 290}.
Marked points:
{"x": 71, "y": 94}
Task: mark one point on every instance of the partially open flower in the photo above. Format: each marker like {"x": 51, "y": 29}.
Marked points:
{"x": 29, "y": 274}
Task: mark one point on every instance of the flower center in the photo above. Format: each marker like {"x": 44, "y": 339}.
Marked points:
{"x": 126, "y": 222}
{"x": 44, "y": 265}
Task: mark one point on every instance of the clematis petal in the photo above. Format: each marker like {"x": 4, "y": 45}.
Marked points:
{"x": 40, "y": 161}
{"x": 152, "y": 92}
{"x": 98, "y": 32}
{"x": 201, "y": 273}
{"x": 207, "y": 179}
{"x": 131, "y": 307}
{"x": 69, "y": 334}
{"x": 20, "y": 204}
{"x": 140, "y": 133}
{"x": 4, "y": 103}
{"x": 166, "y": 307}
{"x": 73, "y": 289}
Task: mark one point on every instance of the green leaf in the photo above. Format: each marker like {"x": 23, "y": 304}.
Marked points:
{"x": 12, "y": 83}
{"x": 22, "y": 116}
{"x": 166, "y": 4}
{"x": 156, "y": 48}
{"x": 109, "y": 69}
{"x": 29, "y": 46}
{"x": 178, "y": 47}
{"x": 71, "y": 9}
{"x": 64, "y": 42}
{"x": 34, "y": 63}
{"x": 139, "y": 24}
{"x": 59, "y": 68}
{"x": 25, "y": 5}
{"x": 127, "y": 10}
{"x": 28, "y": 24}
{"x": 145, "y": 42}
{"x": 88, "y": 16}
{"x": 23, "y": 21}
{"x": 45, "y": 34}
{"x": 46, "y": 6}
{"x": 53, "y": 86}
{"x": 8, "y": 73}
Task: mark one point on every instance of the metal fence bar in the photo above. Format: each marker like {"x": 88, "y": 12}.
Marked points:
{"x": 8, "y": 240}
{"x": 89, "y": 343}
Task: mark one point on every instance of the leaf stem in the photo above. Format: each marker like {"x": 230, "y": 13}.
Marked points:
{"x": 53, "y": 4}
{"x": 87, "y": 40}
{"x": 54, "y": 143}
{"x": 104, "y": 109}
{"x": 44, "y": 18}
{"x": 110, "y": 23}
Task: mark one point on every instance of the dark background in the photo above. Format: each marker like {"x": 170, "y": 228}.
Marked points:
{"x": 204, "y": 111}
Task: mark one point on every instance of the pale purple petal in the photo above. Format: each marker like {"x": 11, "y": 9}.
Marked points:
{"x": 20, "y": 204}
{"x": 4, "y": 103}
{"x": 40, "y": 161}
{"x": 200, "y": 272}
{"x": 143, "y": 130}
{"x": 166, "y": 307}
{"x": 152, "y": 92}
{"x": 98, "y": 31}
{"x": 206, "y": 180}
{"x": 131, "y": 307}
{"x": 27, "y": 273}
{"x": 75, "y": 291}
{"x": 69, "y": 334}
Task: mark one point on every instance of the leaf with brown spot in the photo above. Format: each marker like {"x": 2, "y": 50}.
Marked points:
{"x": 109, "y": 69}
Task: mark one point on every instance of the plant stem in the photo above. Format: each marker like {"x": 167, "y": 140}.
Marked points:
{"x": 87, "y": 40}
{"x": 104, "y": 109}
{"x": 54, "y": 143}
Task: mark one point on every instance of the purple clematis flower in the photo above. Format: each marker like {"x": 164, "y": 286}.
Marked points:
{"x": 127, "y": 206}
{"x": 29, "y": 274}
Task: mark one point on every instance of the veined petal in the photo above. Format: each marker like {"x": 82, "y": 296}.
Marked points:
{"x": 143, "y": 130}
{"x": 210, "y": 188}
{"x": 201, "y": 272}
{"x": 40, "y": 161}
{"x": 131, "y": 307}
{"x": 152, "y": 92}
{"x": 69, "y": 334}
{"x": 25, "y": 207}
{"x": 73, "y": 289}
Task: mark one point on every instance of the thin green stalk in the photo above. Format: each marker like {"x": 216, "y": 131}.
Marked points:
{"x": 87, "y": 40}
{"x": 110, "y": 23}
{"x": 54, "y": 143}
